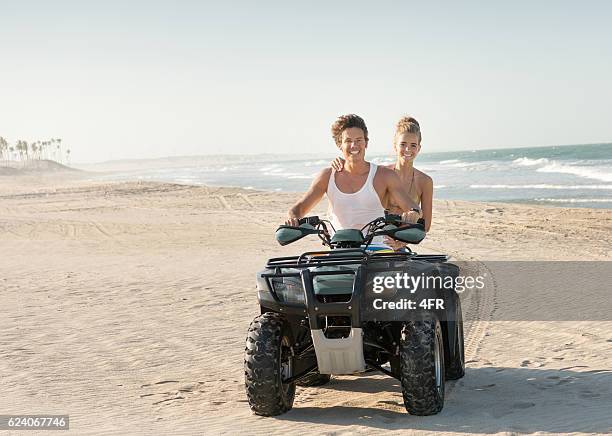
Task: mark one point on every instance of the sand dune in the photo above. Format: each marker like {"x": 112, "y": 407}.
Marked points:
{"x": 126, "y": 306}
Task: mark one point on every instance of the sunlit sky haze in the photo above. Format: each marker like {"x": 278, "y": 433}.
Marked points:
{"x": 144, "y": 79}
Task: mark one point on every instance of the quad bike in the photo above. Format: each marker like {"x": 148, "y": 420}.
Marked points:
{"x": 317, "y": 319}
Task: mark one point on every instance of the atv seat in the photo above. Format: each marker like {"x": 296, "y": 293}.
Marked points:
{"x": 348, "y": 235}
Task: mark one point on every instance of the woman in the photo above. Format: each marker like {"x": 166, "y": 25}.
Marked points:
{"x": 407, "y": 145}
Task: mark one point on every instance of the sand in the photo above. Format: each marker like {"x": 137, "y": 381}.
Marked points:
{"x": 126, "y": 306}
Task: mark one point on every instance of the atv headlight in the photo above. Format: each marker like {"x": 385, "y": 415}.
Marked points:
{"x": 289, "y": 289}
{"x": 263, "y": 293}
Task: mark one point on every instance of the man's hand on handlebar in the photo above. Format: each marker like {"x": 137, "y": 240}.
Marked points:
{"x": 292, "y": 221}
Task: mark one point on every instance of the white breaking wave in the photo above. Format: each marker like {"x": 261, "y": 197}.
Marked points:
{"x": 527, "y": 162}
{"x": 544, "y": 186}
{"x": 298, "y": 176}
{"x": 383, "y": 160}
{"x": 280, "y": 172}
{"x": 318, "y": 162}
{"x": 481, "y": 165}
{"x": 575, "y": 200}
{"x": 456, "y": 163}
{"x": 580, "y": 171}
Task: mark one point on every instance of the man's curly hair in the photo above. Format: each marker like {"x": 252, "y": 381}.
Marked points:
{"x": 345, "y": 122}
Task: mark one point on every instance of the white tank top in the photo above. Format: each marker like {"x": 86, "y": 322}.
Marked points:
{"x": 353, "y": 211}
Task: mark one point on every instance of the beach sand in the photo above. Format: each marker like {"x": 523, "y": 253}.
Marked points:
{"x": 126, "y": 305}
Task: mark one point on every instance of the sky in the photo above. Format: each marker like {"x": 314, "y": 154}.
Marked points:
{"x": 145, "y": 79}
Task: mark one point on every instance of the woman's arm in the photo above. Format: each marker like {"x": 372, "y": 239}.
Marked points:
{"x": 427, "y": 201}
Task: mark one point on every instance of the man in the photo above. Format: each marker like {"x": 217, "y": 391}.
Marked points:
{"x": 355, "y": 194}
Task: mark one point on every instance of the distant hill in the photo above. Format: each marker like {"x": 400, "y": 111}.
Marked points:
{"x": 33, "y": 166}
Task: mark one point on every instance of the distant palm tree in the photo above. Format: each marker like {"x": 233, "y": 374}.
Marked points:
{"x": 22, "y": 146}
{"x": 3, "y": 148}
{"x": 19, "y": 149}
{"x": 24, "y": 151}
{"x": 59, "y": 143}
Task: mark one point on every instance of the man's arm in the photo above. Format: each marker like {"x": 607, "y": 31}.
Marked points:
{"x": 310, "y": 199}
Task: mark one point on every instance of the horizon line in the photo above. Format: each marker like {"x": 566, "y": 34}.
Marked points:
{"x": 187, "y": 156}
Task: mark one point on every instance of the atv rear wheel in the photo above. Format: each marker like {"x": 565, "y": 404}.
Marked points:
{"x": 267, "y": 362}
{"x": 422, "y": 366}
{"x": 314, "y": 379}
{"x": 455, "y": 368}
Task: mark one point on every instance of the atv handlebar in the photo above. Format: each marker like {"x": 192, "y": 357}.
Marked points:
{"x": 312, "y": 220}
{"x": 387, "y": 225}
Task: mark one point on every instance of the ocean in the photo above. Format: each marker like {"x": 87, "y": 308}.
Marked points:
{"x": 573, "y": 176}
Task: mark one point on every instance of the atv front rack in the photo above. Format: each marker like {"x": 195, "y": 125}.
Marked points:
{"x": 348, "y": 256}
{"x": 306, "y": 267}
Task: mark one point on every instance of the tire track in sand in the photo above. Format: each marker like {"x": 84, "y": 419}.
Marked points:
{"x": 223, "y": 202}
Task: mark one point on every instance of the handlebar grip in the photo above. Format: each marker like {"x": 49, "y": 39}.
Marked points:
{"x": 312, "y": 220}
{"x": 392, "y": 218}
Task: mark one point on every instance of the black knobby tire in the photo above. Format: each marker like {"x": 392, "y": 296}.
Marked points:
{"x": 455, "y": 368}
{"x": 422, "y": 367}
{"x": 314, "y": 379}
{"x": 267, "y": 361}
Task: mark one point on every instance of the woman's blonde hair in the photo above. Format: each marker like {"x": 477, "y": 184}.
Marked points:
{"x": 408, "y": 124}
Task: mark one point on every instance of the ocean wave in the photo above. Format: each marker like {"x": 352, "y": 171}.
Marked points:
{"x": 544, "y": 186}
{"x": 317, "y": 163}
{"x": 383, "y": 160}
{"x": 456, "y": 163}
{"x": 280, "y": 172}
{"x": 469, "y": 166}
{"x": 580, "y": 171}
{"x": 527, "y": 162}
{"x": 575, "y": 200}
{"x": 268, "y": 168}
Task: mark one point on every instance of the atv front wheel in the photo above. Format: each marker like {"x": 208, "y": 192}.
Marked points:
{"x": 314, "y": 379}
{"x": 455, "y": 368}
{"x": 422, "y": 367}
{"x": 267, "y": 362}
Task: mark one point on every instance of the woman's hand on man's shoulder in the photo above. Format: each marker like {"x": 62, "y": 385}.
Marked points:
{"x": 338, "y": 164}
